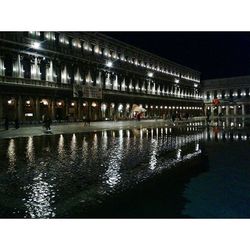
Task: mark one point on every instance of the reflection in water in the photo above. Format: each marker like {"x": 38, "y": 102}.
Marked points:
{"x": 153, "y": 159}
{"x": 73, "y": 146}
{"x": 95, "y": 144}
{"x": 178, "y": 154}
{"x": 30, "y": 151}
{"x": 40, "y": 197}
{"x": 112, "y": 174}
{"x": 102, "y": 163}
{"x": 12, "y": 156}
{"x": 128, "y": 133}
{"x": 104, "y": 140}
{"x": 61, "y": 147}
{"x": 217, "y": 133}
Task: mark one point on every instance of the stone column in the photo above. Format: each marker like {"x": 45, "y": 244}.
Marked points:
{"x": 205, "y": 110}
{"x": 37, "y": 109}
{"x": 67, "y": 107}
{"x": 79, "y": 115}
{"x": 1, "y": 107}
{"x": 53, "y": 109}
{"x": 227, "y": 110}
{"x": 99, "y": 113}
{"x": 212, "y": 111}
{"x": 89, "y": 110}
{"x": 20, "y": 108}
{"x": 243, "y": 109}
{"x": 219, "y": 110}
{"x": 235, "y": 109}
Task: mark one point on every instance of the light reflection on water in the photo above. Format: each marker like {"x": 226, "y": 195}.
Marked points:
{"x": 89, "y": 165}
{"x": 61, "y": 150}
{"x": 153, "y": 159}
{"x": 11, "y": 156}
{"x": 39, "y": 198}
{"x": 112, "y": 174}
{"x": 30, "y": 154}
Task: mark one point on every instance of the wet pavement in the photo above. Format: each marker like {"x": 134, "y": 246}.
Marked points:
{"x": 77, "y": 127}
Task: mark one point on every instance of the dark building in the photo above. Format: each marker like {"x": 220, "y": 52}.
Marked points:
{"x": 71, "y": 75}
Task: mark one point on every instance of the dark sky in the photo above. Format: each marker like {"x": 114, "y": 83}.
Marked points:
{"x": 214, "y": 54}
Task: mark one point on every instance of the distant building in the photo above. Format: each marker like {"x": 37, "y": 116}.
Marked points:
{"x": 228, "y": 96}
{"x": 71, "y": 75}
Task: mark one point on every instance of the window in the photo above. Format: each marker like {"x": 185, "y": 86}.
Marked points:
{"x": 50, "y": 36}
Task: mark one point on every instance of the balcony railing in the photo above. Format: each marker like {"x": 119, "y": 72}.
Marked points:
{"x": 33, "y": 82}
{"x": 150, "y": 93}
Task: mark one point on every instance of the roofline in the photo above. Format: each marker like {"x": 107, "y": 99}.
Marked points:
{"x": 103, "y": 36}
{"x": 226, "y": 78}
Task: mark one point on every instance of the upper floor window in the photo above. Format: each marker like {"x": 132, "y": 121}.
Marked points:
{"x": 35, "y": 33}
{"x": 63, "y": 39}
{"x": 2, "y": 68}
{"x": 106, "y": 52}
{"x": 50, "y": 36}
{"x": 97, "y": 49}
{"x": 114, "y": 55}
{"x": 76, "y": 43}
{"x": 87, "y": 46}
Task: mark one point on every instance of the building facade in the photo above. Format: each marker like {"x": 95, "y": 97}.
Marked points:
{"x": 71, "y": 75}
{"x": 227, "y": 96}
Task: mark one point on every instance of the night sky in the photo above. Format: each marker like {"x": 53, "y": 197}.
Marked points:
{"x": 214, "y": 54}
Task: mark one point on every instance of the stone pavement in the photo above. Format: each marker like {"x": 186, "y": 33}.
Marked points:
{"x": 77, "y": 127}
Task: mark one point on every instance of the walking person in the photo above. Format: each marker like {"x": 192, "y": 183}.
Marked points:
{"x": 48, "y": 123}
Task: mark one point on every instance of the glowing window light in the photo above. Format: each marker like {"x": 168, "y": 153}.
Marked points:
{"x": 44, "y": 102}
{"x": 150, "y": 74}
{"x": 103, "y": 107}
{"x": 109, "y": 64}
{"x": 35, "y": 45}
{"x": 120, "y": 107}
{"x": 94, "y": 104}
